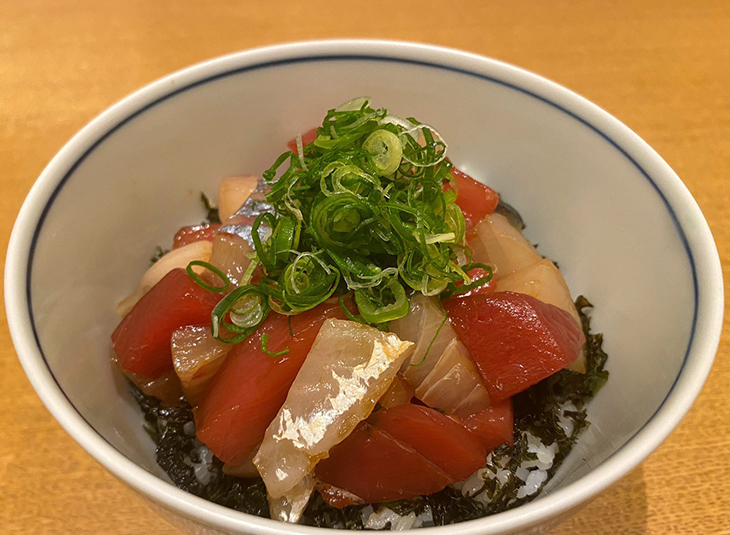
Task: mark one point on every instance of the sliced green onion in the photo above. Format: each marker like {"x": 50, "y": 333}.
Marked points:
{"x": 210, "y": 267}
{"x": 356, "y": 104}
{"x": 453, "y": 290}
{"x": 364, "y": 210}
{"x": 250, "y": 307}
{"x": 307, "y": 282}
{"x": 285, "y": 238}
{"x": 248, "y": 274}
{"x": 268, "y": 219}
{"x": 387, "y": 302}
{"x": 386, "y": 151}
{"x": 349, "y": 315}
{"x": 265, "y": 349}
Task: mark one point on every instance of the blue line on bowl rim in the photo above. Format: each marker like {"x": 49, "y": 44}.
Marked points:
{"x": 357, "y": 57}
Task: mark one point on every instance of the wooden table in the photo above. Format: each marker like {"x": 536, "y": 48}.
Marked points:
{"x": 662, "y": 67}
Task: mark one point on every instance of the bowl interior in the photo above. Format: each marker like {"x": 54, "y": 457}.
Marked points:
{"x": 586, "y": 203}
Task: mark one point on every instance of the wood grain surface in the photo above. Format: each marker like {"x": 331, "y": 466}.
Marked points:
{"x": 662, "y": 67}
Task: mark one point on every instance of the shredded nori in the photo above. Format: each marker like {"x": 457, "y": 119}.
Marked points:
{"x": 211, "y": 210}
{"x": 177, "y": 452}
{"x": 537, "y": 411}
{"x": 159, "y": 253}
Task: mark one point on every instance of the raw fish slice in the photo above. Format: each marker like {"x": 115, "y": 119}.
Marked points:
{"x": 247, "y": 469}
{"x": 233, "y": 192}
{"x": 166, "y": 388}
{"x": 544, "y": 281}
{"x": 454, "y": 377}
{"x": 232, "y": 255}
{"x": 178, "y": 258}
{"x": 376, "y": 467}
{"x": 290, "y": 506}
{"x": 441, "y": 440}
{"x": 349, "y": 367}
{"x": 338, "y": 498}
{"x": 241, "y": 222}
{"x": 244, "y": 396}
{"x": 196, "y": 356}
{"x": 499, "y": 244}
{"x": 477, "y": 400}
{"x": 188, "y": 235}
{"x": 515, "y": 340}
{"x": 142, "y": 339}
{"x": 410, "y": 327}
{"x": 400, "y": 392}
{"x": 256, "y": 203}
{"x": 474, "y": 198}
{"x": 431, "y": 338}
{"x": 493, "y": 426}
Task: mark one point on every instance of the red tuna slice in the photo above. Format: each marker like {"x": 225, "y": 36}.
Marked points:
{"x": 494, "y": 425}
{"x": 515, "y": 340}
{"x": 376, "y": 467}
{"x": 187, "y": 235}
{"x": 474, "y": 198}
{"x": 249, "y": 389}
{"x": 441, "y": 440}
{"x": 142, "y": 339}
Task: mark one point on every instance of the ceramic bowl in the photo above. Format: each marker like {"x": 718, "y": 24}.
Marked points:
{"x": 623, "y": 227}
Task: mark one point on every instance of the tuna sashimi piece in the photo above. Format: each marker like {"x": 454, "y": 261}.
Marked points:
{"x": 499, "y": 244}
{"x": 515, "y": 340}
{"x": 425, "y": 326}
{"x": 196, "y": 356}
{"x": 349, "y": 367}
{"x": 544, "y": 281}
{"x": 246, "y": 393}
{"x": 454, "y": 377}
{"x": 177, "y": 258}
{"x": 441, "y": 440}
{"x": 474, "y": 198}
{"x": 142, "y": 339}
{"x": 187, "y": 235}
{"x": 376, "y": 467}
{"x": 493, "y": 426}
{"x": 233, "y": 191}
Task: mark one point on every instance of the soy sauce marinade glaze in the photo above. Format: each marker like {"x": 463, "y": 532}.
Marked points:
{"x": 369, "y": 211}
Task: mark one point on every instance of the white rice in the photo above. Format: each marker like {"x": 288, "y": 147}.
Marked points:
{"x": 385, "y": 517}
{"x": 202, "y": 469}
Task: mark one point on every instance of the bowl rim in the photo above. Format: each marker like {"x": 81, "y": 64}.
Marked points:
{"x": 688, "y": 218}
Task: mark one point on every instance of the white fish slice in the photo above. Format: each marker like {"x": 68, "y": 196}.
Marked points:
{"x": 349, "y": 367}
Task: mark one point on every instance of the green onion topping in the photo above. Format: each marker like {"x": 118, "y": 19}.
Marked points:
{"x": 265, "y": 349}
{"x": 210, "y": 267}
{"x": 361, "y": 209}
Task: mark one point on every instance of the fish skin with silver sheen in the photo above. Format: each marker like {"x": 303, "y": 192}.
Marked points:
{"x": 348, "y": 369}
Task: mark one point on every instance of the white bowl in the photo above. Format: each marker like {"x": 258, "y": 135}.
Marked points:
{"x": 597, "y": 199}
